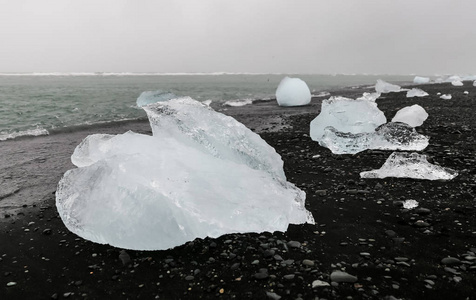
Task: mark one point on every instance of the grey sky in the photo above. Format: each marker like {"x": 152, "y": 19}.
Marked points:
{"x": 272, "y": 36}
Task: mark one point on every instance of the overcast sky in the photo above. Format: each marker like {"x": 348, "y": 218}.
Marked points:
{"x": 269, "y": 36}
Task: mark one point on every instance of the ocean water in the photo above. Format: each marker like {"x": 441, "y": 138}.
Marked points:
{"x": 40, "y": 104}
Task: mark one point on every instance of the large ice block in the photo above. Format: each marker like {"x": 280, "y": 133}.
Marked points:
{"x": 200, "y": 174}
{"x": 413, "y": 115}
{"x": 410, "y": 165}
{"x": 389, "y": 136}
{"x": 293, "y": 92}
{"x": 348, "y": 116}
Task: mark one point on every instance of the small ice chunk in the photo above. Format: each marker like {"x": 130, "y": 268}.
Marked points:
{"x": 466, "y": 92}
{"x": 421, "y": 80}
{"x": 390, "y": 136}
{"x": 385, "y": 87}
{"x": 457, "y": 83}
{"x": 446, "y": 96}
{"x": 346, "y": 115}
{"x": 236, "y": 103}
{"x": 293, "y": 92}
{"x": 410, "y": 165}
{"x": 149, "y": 97}
{"x": 474, "y": 83}
{"x": 416, "y": 93}
{"x": 410, "y": 204}
{"x": 413, "y": 115}
{"x": 369, "y": 96}
{"x": 207, "y": 102}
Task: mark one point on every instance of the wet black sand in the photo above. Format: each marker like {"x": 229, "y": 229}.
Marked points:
{"x": 361, "y": 225}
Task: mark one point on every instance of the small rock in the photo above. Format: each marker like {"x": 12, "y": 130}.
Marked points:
{"x": 124, "y": 257}
{"x": 294, "y": 244}
{"x": 189, "y": 278}
{"x": 339, "y": 276}
{"x": 11, "y": 283}
{"x": 47, "y": 231}
{"x": 319, "y": 283}
{"x": 308, "y": 263}
{"x": 273, "y": 296}
{"x": 450, "y": 261}
{"x": 261, "y": 275}
{"x": 390, "y": 233}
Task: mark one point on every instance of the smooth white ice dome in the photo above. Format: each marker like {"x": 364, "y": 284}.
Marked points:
{"x": 293, "y": 92}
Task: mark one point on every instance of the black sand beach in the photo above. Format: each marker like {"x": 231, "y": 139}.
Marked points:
{"x": 361, "y": 227}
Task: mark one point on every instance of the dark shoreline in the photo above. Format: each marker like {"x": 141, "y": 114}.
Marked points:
{"x": 361, "y": 226}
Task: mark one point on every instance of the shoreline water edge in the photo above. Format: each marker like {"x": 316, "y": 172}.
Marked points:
{"x": 365, "y": 243}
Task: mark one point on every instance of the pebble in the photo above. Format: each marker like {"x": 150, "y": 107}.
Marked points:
{"x": 189, "y": 278}
{"x": 289, "y": 276}
{"x": 390, "y": 233}
{"x": 421, "y": 223}
{"x": 11, "y": 283}
{"x": 261, "y": 275}
{"x": 339, "y": 276}
{"x": 450, "y": 261}
{"x": 124, "y": 257}
{"x": 294, "y": 244}
{"x": 273, "y": 296}
{"x": 451, "y": 270}
{"x": 319, "y": 283}
{"x": 308, "y": 263}
{"x": 47, "y": 231}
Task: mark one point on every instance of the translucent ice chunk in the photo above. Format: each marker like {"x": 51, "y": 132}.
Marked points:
{"x": 446, "y": 96}
{"x": 149, "y": 97}
{"x": 385, "y": 87}
{"x": 199, "y": 126}
{"x": 457, "y": 83}
{"x": 413, "y": 115}
{"x": 410, "y": 165}
{"x": 186, "y": 181}
{"x": 416, "y": 93}
{"x": 293, "y": 92}
{"x": 410, "y": 204}
{"x": 421, "y": 80}
{"x": 346, "y": 115}
{"x": 390, "y": 136}
{"x": 369, "y": 96}
{"x": 474, "y": 83}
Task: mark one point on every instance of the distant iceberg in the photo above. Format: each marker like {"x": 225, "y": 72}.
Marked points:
{"x": 149, "y": 97}
{"x": 383, "y": 87}
{"x": 421, "y": 80}
{"x": 410, "y": 165}
{"x": 200, "y": 174}
{"x": 293, "y": 92}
